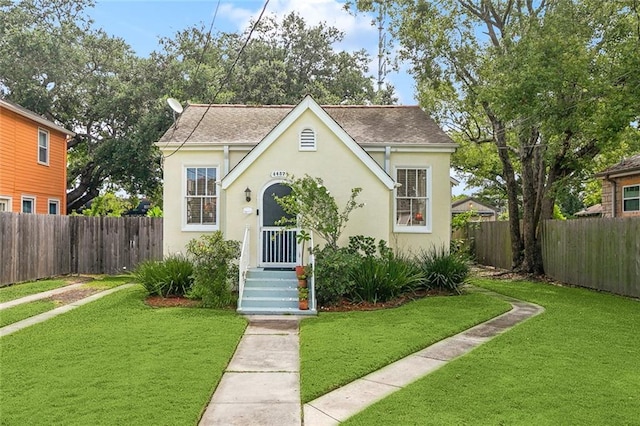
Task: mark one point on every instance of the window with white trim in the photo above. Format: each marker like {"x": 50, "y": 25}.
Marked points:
{"x": 5, "y": 204}
{"x": 412, "y": 199}
{"x": 201, "y": 196}
{"x": 54, "y": 207}
{"x": 307, "y": 140}
{"x": 43, "y": 146}
{"x": 28, "y": 205}
{"x": 631, "y": 198}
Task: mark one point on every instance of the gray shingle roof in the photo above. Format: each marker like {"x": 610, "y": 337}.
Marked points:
{"x": 627, "y": 165}
{"x": 243, "y": 124}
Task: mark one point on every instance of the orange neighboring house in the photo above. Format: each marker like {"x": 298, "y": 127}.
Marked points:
{"x": 33, "y": 162}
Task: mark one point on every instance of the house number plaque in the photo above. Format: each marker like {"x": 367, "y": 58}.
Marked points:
{"x": 278, "y": 174}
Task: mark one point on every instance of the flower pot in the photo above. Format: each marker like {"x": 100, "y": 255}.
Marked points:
{"x": 299, "y": 270}
{"x": 303, "y": 305}
{"x": 302, "y": 283}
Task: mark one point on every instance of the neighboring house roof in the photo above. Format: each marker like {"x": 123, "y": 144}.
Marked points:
{"x": 307, "y": 104}
{"x": 627, "y": 166}
{"x": 595, "y": 210}
{"x": 33, "y": 116}
{"x": 482, "y": 208}
{"x": 366, "y": 125}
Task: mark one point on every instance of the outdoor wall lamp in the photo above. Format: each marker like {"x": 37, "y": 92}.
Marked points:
{"x": 247, "y": 194}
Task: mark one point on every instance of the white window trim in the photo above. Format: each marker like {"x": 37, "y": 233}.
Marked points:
{"x": 9, "y": 202}
{"x": 315, "y": 140}
{"x": 33, "y": 200}
{"x": 48, "y": 148}
{"x": 631, "y": 198}
{"x": 402, "y": 229}
{"x": 55, "y": 201}
{"x": 189, "y": 227}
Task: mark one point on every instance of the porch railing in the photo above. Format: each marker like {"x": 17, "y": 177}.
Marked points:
{"x": 243, "y": 265}
{"x": 312, "y": 278}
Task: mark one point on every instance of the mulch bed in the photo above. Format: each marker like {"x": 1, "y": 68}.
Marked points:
{"x": 172, "y": 302}
{"x": 348, "y": 306}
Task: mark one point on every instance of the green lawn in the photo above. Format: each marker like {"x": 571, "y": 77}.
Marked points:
{"x": 17, "y": 291}
{"x": 337, "y": 348}
{"x": 116, "y": 361}
{"x": 25, "y": 310}
{"x": 575, "y": 364}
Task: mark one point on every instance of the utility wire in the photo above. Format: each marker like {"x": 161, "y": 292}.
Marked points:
{"x": 225, "y": 80}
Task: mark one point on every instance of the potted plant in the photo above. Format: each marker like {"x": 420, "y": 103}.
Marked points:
{"x": 302, "y": 237}
{"x": 302, "y": 280}
{"x": 303, "y": 298}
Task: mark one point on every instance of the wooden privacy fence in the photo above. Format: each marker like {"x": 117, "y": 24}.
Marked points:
{"x": 40, "y": 246}
{"x": 491, "y": 243}
{"x": 602, "y": 254}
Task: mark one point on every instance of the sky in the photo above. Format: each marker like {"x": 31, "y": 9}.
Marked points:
{"x": 142, "y": 22}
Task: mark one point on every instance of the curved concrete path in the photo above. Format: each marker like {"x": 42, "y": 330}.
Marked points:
{"x": 262, "y": 382}
{"x": 12, "y": 328}
{"x": 342, "y": 403}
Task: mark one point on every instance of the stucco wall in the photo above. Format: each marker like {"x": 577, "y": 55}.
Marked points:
{"x": 339, "y": 168}
{"x": 440, "y": 201}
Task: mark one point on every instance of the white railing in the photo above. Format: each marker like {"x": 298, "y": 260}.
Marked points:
{"x": 243, "y": 265}
{"x": 312, "y": 278}
{"x": 279, "y": 246}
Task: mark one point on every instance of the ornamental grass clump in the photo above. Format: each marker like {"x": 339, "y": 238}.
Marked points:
{"x": 172, "y": 276}
{"x": 215, "y": 269}
{"x": 442, "y": 269}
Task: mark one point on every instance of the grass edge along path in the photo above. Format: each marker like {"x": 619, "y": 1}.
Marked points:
{"x": 337, "y": 348}
{"x": 117, "y": 361}
{"x": 569, "y": 365}
{"x": 17, "y": 291}
{"x": 26, "y": 310}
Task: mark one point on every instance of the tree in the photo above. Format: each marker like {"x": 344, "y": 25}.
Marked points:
{"x": 546, "y": 84}
{"x": 54, "y": 63}
{"x": 311, "y": 206}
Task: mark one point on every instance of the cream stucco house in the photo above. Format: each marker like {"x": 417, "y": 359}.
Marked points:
{"x": 224, "y": 163}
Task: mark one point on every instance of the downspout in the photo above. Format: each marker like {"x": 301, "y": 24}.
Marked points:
{"x": 387, "y": 160}
{"x": 613, "y": 195}
{"x": 225, "y": 167}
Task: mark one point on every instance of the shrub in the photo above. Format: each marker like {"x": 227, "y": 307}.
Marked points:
{"x": 172, "y": 276}
{"x": 442, "y": 269}
{"x": 332, "y": 278}
{"x": 215, "y": 269}
{"x": 384, "y": 277}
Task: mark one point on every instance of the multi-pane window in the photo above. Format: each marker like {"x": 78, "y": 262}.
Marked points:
{"x": 631, "y": 198}
{"x": 54, "y": 207}
{"x": 5, "y": 204}
{"x": 201, "y": 196}
{"x": 43, "y": 146}
{"x": 412, "y": 198}
{"x": 28, "y": 205}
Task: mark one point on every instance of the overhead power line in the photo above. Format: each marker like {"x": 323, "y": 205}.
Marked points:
{"x": 225, "y": 80}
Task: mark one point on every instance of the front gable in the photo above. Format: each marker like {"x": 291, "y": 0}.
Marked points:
{"x": 330, "y": 140}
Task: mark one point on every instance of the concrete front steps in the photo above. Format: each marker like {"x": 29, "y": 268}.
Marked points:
{"x": 271, "y": 292}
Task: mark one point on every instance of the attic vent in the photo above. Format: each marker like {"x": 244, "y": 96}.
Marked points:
{"x": 307, "y": 140}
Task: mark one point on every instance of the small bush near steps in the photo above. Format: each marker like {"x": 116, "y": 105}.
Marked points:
{"x": 172, "y": 276}
{"x": 215, "y": 269}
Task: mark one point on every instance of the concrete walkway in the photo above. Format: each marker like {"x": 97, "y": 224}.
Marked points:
{"x": 342, "y": 403}
{"x": 261, "y": 385}
{"x": 12, "y": 328}
{"x": 39, "y": 296}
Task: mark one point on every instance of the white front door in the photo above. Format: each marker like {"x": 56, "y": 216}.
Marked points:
{"x": 278, "y": 246}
